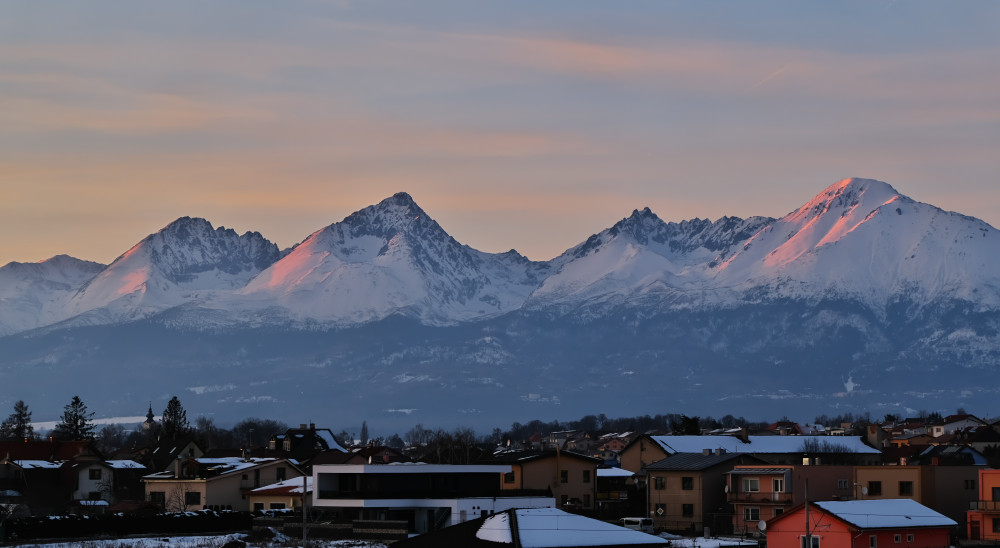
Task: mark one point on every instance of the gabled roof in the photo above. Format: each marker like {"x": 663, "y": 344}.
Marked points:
{"x": 876, "y": 514}
{"x": 534, "y": 528}
{"x": 758, "y": 444}
{"x": 45, "y": 450}
{"x": 692, "y": 461}
{"x": 288, "y": 487}
{"x": 885, "y": 513}
{"x": 512, "y": 457}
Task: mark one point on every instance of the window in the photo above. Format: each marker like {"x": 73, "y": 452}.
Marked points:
{"x": 872, "y": 541}
{"x": 95, "y": 473}
{"x": 897, "y": 538}
{"x": 778, "y": 511}
{"x": 778, "y": 485}
{"x": 258, "y": 506}
{"x": 751, "y": 485}
{"x": 751, "y": 513}
{"x": 661, "y": 509}
{"x": 158, "y": 497}
{"x": 277, "y": 506}
{"x": 687, "y": 510}
{"x": 564, "y": 476}
{"x": 659, "y": 483}
{"x": 909, "y": 537}
{"x": 687, "y": 483}
{"x": 996, "y": 493}
{"x": 814, "y": 541}
{"x": 280, "y": 473}
{"x": 843, "y": 484}
{"x": 508, "y": 477}
{"x": 586, "y": 476}
{"x": 996, "y": 525}
{"x": 906, "y": 488}
{"x": 192, "y": 498}
{"x": 874, "y": 488}
{"x": 970, "y": 484}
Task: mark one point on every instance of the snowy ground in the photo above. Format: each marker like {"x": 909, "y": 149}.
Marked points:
{"x": 702, "y": 542}
{"x": 218, "y": 541}
{"x": 215, "y": 541}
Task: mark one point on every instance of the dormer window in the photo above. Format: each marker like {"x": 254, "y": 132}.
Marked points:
{"x": 287, "y": 445}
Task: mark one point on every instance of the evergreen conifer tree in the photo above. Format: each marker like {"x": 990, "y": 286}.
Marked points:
{"x": 76, "y": 423}
{"x": 18, "y": 425}
{"x": 174, "y": 420}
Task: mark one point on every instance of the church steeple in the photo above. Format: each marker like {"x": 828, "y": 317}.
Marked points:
{"x": 149, "y": 418}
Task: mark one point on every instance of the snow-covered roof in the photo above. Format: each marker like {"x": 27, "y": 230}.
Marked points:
{"x": 10, "y": 493}
{"x": 92, "y": 503}
{"x": 758, "y": 444}
{"x": 614, "y": 473}
{"x": 886, "y": 513}
{"x": 288, "y": 487}
{"x": 123, "y": 464}
{"x": 25, "y": 464}
{"x": 551, "y": 528}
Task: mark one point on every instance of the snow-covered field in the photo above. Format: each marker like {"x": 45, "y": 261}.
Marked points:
{"x": 214, "y": 541}
{"x": 219, "y": 540}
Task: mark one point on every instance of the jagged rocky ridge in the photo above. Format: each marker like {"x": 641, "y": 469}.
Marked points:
{"x": 854, "y": 299}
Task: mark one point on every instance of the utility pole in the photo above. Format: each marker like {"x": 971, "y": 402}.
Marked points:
{"x": 808, "y": 538}
{"x": 305, "y": 492}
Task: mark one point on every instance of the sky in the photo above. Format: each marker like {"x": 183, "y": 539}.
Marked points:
{"x": 525, "y": 125}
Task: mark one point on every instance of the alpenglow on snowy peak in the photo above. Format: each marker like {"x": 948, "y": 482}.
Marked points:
{"x": 859, "y": 240}
{"x": 389, "y": 259}
{"x": 861, "y": 299}
{"x": 179, "y": 264}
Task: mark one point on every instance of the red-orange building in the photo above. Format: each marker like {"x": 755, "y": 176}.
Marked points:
{"x": 886, "y": 523}
{"x": 984, "y": 518}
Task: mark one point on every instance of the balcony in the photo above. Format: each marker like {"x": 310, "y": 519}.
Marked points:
{"x": 985, "y": 505}
{"x": 758, "y": 497}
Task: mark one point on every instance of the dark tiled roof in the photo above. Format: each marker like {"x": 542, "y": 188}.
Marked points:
{"x": 692, "y": 461}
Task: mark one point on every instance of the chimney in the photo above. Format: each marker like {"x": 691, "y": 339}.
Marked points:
{"x": 312, "y": 426}
{"x": 706, "y": 452}
{"x": 744, "y": 434}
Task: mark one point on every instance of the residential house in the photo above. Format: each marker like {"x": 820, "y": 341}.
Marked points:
{"x": 549, "y": 527}
{"x": 645, "y": 450}
{"x": 760, "y": 492}
{"x": 288, "y": 494}
{"x": 34, "y": 470}
{"x": 216, "y": 483}
{"x": 427, "y": 497}
{"x": 888, "y": 523}
{"x": 162, "y": 454}
{"x": 368, "y": 454}
{"x": 983, "y": 520}
{"x": 569, "y": 477}
{"x": 946, "y": 489}
{"x": 617, "y": 494}
{"x": 303, "y": 443}
{"x": 685, "y": 491}
{"x": 110, "y": 481}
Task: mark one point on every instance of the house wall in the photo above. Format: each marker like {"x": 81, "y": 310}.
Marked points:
{"x": 641, "y": 453}
{"x": 175, "y": 493}
{"x": 666, "y": 505}
{"x": 267, "y": 501}
{"x": 546, "y": 474}
{"x": 85, "y": 485}
{"x": 834, "y": 533}
{"x": 890, "y": 478}
{"x": 952, "y": 490}
{"x": 983, "y": 520}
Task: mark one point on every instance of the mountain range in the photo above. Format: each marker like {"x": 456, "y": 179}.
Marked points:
{"x": 860, "y": 300}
